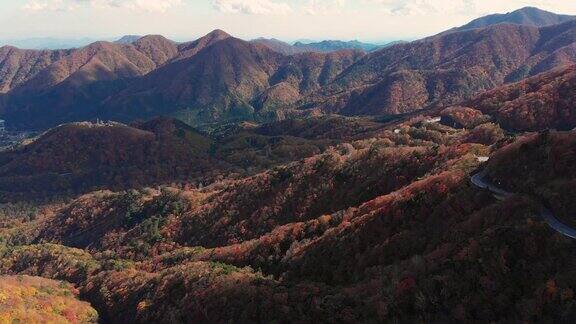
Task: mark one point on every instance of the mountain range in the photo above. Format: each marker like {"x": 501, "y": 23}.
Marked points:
{"x": 218, "y": 78}
{"x": 318, "y": 47}
{"x": 334, "y": 45}
{"x": 384, "y": 225}
{"x": 425, "y": 182}
{"x": 446, "y": 69}
{"x": 215, "y": 78}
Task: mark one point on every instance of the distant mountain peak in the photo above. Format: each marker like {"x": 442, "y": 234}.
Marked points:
{"x": 128, "y": 39}
{"x": 530, "y": 16}
{"x": 536, "y": 14}
{"x": 152, "y": 39}
{"x": 530, "y": 8}
{"x": 218, "y": 33}
{"x": 335, "y": 45}
{"x": 151, "y": 36}
{"x": 190, "y": 49}
{"x": 278, "y": 46}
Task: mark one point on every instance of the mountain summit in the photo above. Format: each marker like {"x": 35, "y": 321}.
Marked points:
{"x": 190, "y": 49}
{"x": 529, "y": 16}
{"x": 127, "y": 39}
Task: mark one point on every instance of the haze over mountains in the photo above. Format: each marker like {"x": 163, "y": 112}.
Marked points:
{"x": 52, "y": 43}
{"x": 326, "y": 46}
{"x": 47, "y": 43}
{"x": 253, "y": 182}
{"x": 333, "y": 45}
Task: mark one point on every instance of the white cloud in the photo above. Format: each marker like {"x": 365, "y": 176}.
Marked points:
{"x": 144, "y": 5}
{"x": 252, "y": 7}
{"x": 324, "y": 7}
{"x": 35, "y": 5}
{"x": 424, "y": 7}
{"x": 141, "y": 5}
{"x": 48, "y": 5}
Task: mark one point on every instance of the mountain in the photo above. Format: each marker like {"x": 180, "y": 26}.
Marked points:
{"x": 544, "y": 101}
{"x": 67, "y": 89}
{"x": 110, "y": 155}
{"x": 104, "y": 154}
{"x": 230, "y": 80}
{"x": 279, "y": 46}
{"x": 351, "y": 219}
{"x": 378, "y": 228}
{"x": 104, "y": 61}
{"x": 451, "y": 201}
{"x": 212, "y": 79}
{"x": 446, "y": 69}
{"x": 392, "y": 43}
{"x": 18, "y": 66}
{"x": 217, "y": 82}
{"x": 528, "y": 16}
{"x": 218, "y": 78}
{"x": 42, "y": 69}
{"x": 189, "y": 49}
{"x": 128, "y": 39}
{"x": 315, "y": 47}
{"x": 335, "y": 45}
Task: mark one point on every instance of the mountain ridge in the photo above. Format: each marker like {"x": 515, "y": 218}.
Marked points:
{"x": 446, "y": 69}
{"x": 259, "y": 82}
{"x": 530, "y": 16}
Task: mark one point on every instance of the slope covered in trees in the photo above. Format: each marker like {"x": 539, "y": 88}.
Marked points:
{"x": 446, "y": 69}
{"x": 385, "y": 225}
{"x": 319, "y": 219}
{"x": 216, "y": 78}
{"x": 34, "y": 300}
{"x": 391, "y": 255}
{"x": 79, "y": 157}
{"x": 544, "y": 101}
{"x": 529, "y": 16}
{"x": 18, "y": 66}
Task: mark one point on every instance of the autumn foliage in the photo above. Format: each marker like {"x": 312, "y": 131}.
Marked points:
{"x": 25, "y": 299}
{"x": 320, "y": 219}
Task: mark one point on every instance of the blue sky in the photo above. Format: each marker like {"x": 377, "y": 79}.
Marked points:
{"x": 368, "y": 20}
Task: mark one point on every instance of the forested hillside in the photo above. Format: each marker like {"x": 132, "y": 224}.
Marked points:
{"x": 243, "y": 182}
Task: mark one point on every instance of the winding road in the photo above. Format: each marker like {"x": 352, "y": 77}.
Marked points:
{"x": 500, "y": 194}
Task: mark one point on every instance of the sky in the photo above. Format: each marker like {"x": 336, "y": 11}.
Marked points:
{"x": 289, "y": 20}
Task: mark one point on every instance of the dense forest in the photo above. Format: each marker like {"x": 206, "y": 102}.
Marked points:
{"x": 428, "y": 182}
{"x": 375, "y": 227}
